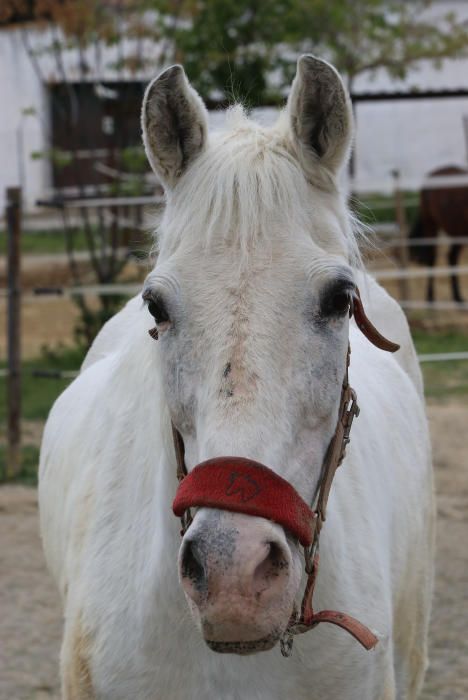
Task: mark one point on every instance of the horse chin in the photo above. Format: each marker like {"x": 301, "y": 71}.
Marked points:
{"x": 230, "y": 636}
{"x": 245, "y": 648}
{"x": 229, "y": 640}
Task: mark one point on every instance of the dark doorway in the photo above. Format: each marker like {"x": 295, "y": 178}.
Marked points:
{"x": 93, "y": 126}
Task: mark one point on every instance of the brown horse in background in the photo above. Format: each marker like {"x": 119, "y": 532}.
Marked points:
{"x": 446, "y": 209}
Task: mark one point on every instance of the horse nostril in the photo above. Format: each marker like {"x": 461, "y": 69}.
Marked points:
{"x": 271, "y": 567}
{"x": 191, "y": 564}
{"x": 277, "y": 557}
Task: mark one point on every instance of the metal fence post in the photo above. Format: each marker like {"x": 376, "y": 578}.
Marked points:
{"x": 13, "y": 219}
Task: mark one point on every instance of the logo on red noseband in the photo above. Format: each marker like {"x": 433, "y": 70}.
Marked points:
{"x": 242, "y": 486}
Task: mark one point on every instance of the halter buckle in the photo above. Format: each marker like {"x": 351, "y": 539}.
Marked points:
{"x": 351, "y": 413}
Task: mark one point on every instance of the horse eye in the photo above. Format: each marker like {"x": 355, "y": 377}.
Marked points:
{"x": 336, "y": 302}
{"x": 340, "y": 302}
{"x": 158, "y": 311}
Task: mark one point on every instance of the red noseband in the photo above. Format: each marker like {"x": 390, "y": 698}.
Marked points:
{"x": 245, "y": 486}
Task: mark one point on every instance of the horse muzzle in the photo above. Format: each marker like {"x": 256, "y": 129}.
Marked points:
{"x": 240, "y": 577}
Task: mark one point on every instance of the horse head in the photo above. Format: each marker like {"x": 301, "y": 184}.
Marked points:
{"x": 251, "y": 297}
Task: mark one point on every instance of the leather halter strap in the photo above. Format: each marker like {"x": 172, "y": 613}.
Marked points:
{"x": 307, "y": 619}
{"x": 179, "y": 449}
{"x": 348, "y": 410}
{"x": 246, "y": 486}
{"x": 368, "y": 328}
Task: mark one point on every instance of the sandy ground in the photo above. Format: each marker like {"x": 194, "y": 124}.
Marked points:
{"x": 30, "y": 621}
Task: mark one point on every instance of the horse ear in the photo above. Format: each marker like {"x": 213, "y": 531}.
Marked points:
{"x": 320, "y": 114}
{"x": 174, "y": 124}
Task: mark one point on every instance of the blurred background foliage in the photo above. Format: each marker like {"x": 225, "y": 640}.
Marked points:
{"x": 247, "y": 49}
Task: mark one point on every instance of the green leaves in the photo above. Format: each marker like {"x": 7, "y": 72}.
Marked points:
{"x": 56, "y": 156}
{"x": 246, "y": 49}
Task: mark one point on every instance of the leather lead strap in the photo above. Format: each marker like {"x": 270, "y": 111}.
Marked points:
{"x": 309, "y": 619}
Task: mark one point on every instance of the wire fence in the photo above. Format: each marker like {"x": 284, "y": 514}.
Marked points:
{"x": 37, "y": 293}
{"x": 393, "y": 236}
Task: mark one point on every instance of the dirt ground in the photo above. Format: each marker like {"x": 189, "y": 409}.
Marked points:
{"x": 30, "y": 621}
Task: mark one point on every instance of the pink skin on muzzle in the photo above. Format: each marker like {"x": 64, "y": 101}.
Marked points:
{"x": 240, "y": 579}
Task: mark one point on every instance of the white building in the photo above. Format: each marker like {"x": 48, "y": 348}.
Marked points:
{"x": 416, "y": 135}
{"x": 410, "y": 135}
{"x": 31, "y": 82}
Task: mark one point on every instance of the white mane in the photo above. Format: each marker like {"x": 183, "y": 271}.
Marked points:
{"x": 247, "y": 184}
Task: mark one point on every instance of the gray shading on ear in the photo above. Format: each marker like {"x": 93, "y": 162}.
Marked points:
{"x": 174, "y": 124}
{"x": 320, "y": 114}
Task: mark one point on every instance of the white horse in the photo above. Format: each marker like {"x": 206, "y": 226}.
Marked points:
{"x": 250, "y": 297}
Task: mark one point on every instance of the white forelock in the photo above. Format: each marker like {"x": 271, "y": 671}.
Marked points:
{"x": 248, "y": 187}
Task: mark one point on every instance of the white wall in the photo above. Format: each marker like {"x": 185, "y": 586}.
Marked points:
{"x": 20, "y": 135}
{"x": 21, "y": 88}
{"x": 412, "y": 136}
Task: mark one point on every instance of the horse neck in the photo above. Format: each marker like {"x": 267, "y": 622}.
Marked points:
{"x": 144, "y": 472}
